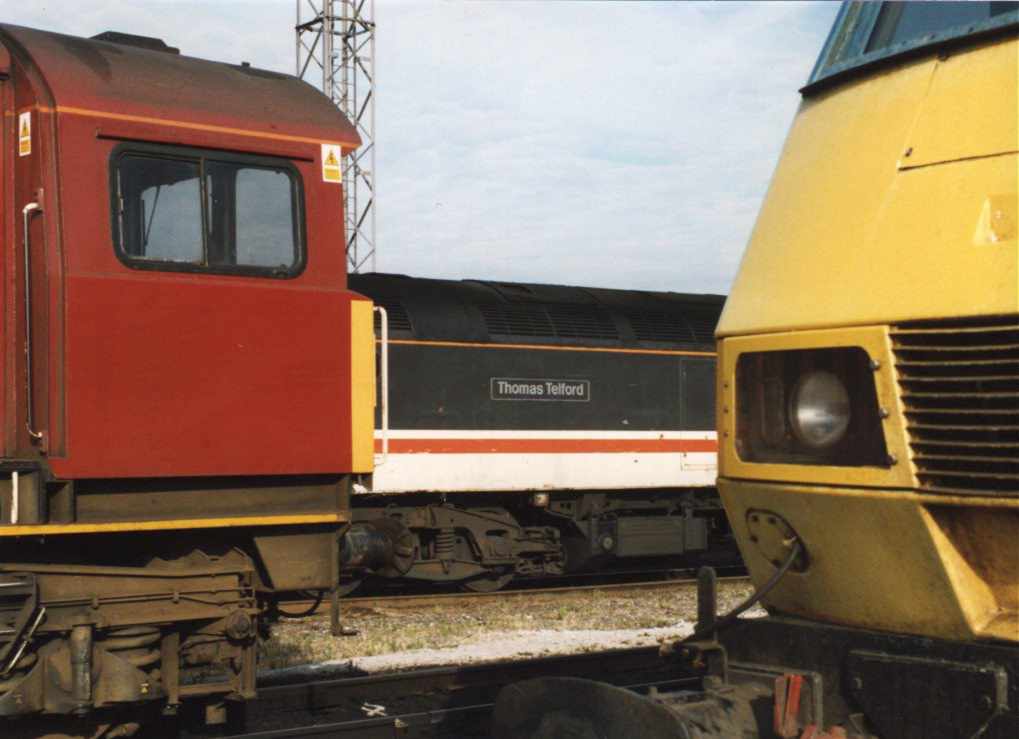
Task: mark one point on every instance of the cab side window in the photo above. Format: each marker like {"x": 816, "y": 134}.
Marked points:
{"x": 165, "y": 221}
{"x": 265, "y": 220}
{"x": 205, "y": 212}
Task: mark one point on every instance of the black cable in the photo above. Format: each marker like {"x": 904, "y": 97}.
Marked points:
{"x": 730, "y": 618}
{"x": 303, "y": 614}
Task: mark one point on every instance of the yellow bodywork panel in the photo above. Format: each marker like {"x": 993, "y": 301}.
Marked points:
{"x": 362, "y": 386}
{"x": 979, "y": 547}
{"x": 882, "y": 554}
{"x": 853, "y": 232}
{"x": 874, "y": 341}
{"x": 896, "y": 199}
{"x": 887, "y": 559}
{"x": 969, "y": 111}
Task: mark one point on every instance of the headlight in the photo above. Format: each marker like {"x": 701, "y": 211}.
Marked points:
{"x": 808, "y": 406}
{"x": 819, "y": 412}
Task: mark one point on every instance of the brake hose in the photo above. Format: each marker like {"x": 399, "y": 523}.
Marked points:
{"x": 731, "y": 617}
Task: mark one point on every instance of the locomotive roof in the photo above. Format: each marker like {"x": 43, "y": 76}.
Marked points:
{"x": 514, "y": 312}
{"x": 145, "y": 78}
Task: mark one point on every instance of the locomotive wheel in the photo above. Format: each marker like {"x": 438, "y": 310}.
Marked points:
{"x": 487, "y": 583}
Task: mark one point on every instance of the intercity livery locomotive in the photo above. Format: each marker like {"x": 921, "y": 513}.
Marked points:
{"x": 530, "y": 430}
{"x": 186, "y": 380}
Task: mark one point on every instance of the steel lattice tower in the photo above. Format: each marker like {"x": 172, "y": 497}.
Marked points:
{"x": 337, "y": 38}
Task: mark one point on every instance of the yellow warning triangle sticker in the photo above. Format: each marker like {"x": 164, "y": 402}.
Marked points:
{"x": 25, "y": 133}
{"x": 331, "y": 169}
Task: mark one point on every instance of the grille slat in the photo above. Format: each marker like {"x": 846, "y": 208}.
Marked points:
{"x": 958, "y": 348}
{"x": 973, "y": 394}
{"x": 1001, "y": 405}
{"x": 956, "y": 331}
{"x": 963, "y": 378}
{"x": 957, "y": 411}
{"x": 966, "y": 444}
{"x": 959, "y": 427}
{"x": 947, "y": 363}
{"x": 937, "y": 458}
{"x": 959, "y": 384}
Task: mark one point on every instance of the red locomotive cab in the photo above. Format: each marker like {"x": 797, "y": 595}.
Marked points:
{"x": 186, "y": 381}
{"x": 184, "y": 313}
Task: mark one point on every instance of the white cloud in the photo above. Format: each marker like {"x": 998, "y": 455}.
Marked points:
{"x": 618, "y": 145}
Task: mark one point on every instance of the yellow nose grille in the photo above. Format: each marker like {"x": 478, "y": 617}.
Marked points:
{"x": 960, "y": 388}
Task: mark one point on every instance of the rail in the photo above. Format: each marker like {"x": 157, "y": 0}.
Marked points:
{"x": 426, "y": 599}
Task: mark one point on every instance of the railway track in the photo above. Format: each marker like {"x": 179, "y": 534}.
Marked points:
{"x": 437, "y": 702}
{"x": 307, "y": 607}
{"x": 452, "y": 701}
{"x": 411, "y": 601}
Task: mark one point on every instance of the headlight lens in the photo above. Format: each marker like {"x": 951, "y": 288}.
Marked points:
{"x": 808, "y": 406}
{"x": 819, "y": 411}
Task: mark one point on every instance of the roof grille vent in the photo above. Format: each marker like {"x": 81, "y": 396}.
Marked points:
{"x": 516, "y": 320}
{"x": 703, "y": 324}
{"x": 581, "y": 322}
{"x": 693, "y": 327}
{"x": 548, "y": 320}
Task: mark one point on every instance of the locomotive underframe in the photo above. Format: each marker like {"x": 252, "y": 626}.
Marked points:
{"x": 151, "y": 613}
{"x": 482, "y": 540}
{"x": 787, "y": 678}
{"x": 82, "y": 638}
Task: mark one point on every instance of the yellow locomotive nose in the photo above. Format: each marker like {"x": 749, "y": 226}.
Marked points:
{"x": 869, "y": 373}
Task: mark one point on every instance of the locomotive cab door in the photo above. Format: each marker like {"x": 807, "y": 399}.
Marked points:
{"x": 24, "y": 390}
{"x": 27, "y": 305}
{"x": 25, "y": 301}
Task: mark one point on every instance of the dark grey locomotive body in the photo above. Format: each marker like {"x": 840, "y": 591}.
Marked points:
{"x": 530, "y": 430}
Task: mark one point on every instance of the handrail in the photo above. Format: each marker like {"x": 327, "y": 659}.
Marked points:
{"x": 26, "y": 214}
{"x": 15, "y": 497}
{"x": 384, "y": 378}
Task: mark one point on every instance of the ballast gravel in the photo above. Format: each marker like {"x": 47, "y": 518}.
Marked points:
{"x": 462, "y": 632}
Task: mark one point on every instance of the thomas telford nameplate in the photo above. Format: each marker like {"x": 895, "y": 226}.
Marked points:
{"x": 519, "y": 388}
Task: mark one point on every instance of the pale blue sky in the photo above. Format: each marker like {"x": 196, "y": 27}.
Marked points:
{"x": 604, "y": 144}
